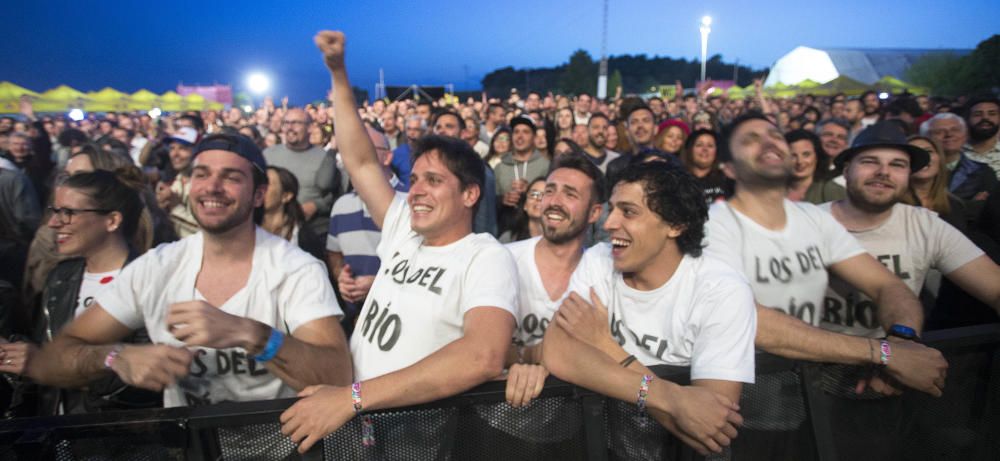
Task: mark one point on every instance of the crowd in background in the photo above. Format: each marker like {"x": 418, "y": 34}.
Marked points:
{"x": 517, "y": 136}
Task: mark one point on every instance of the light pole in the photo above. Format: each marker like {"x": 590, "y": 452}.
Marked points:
{"x": 706, "y": 23}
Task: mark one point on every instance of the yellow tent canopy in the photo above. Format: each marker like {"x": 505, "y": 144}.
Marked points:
{"x": 171, "y": 101}
{"x": 194, "y": 101}
{"x": 144, "y": 100}
{"x": 735, "y": 92}
{"x": 895, "y": 85}
{"x": 10, "y": 97}
{"x": 107, "y": 100}
{"x": 807, "y": 83}
{"x": 842, "y": 84}
{"x": 60, "y": 99}
{"x": 9, "y": 90}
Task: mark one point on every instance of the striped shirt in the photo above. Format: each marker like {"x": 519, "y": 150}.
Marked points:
{"x": 354, "y": 234}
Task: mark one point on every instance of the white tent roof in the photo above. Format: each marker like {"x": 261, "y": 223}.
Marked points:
{"x": 864, "y": 65}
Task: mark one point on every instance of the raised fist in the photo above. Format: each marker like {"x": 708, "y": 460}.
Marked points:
{"x": 331, "y": 43}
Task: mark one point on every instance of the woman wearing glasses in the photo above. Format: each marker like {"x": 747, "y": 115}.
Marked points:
{"x": 94, "y": 216}
{"x": 528, "y": 222}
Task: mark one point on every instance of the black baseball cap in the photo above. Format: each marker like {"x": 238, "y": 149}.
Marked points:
{"x": 235, "y": 143}
{"x": 884, "y": 134}
{"x": 522, "y": 120}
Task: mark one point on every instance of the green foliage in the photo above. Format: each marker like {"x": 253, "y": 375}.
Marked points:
{"x": 948, "y": 74}
{"x": 614, "y": 81}
{"x": 580, "y": 75}
{"x": 982, "y": 67}
{"x": 637, "y": 72}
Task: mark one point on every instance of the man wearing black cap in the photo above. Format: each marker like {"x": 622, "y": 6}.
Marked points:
{"x": 906, "y": 239}
{"x": 786, "y": 248}
{"x": 234, "y": 312}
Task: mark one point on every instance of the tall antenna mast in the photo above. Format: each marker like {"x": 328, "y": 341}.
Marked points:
{"x": 602, "y": 75}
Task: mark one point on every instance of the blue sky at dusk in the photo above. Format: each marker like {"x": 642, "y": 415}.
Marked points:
{"x": 129, "y": 45}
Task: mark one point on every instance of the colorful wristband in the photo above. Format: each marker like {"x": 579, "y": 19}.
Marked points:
{"x": 109, "y": 359}
{"x": 367, "y": 427}
{"x": 643, "y": 392}
{"x": 886, "y": 352}
{"x": 274, "y": 343}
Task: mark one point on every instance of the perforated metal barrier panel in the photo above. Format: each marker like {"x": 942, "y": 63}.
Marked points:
{"x": 795, "y": 411}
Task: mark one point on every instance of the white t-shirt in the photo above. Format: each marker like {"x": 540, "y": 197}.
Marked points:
{"x": 786, "y": 268}
{"x": 910, "y": 243}
{"x": 535, "y": 307}
{"x": 703, "y": 317}
{"x": 419, "y": 298}
{"x": 92, "y": 284}
{"x": 286, "y": 289}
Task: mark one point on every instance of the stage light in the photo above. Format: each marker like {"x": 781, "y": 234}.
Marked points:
{"x": 258, "y": 83}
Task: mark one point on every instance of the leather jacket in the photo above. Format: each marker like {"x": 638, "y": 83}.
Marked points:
{"x": 59, "y": 301}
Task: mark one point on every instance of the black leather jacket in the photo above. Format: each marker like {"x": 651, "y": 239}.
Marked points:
{"x": 59, "y": 300}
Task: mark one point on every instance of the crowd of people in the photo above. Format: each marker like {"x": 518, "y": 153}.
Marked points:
{"x": 397, "y": 252}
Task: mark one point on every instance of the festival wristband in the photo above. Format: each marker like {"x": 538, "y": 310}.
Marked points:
{"x": 109, "y": 359}
{"x": 886, "y": 352}
{"x": 367, "y": 427}
{"x": 274, "y": 343}
{"x": 643, "y": 392}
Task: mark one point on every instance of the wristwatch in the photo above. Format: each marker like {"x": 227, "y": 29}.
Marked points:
{"x": 903, "y": 331}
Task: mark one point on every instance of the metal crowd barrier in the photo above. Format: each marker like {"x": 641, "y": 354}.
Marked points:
{"x": 797, "y": 410}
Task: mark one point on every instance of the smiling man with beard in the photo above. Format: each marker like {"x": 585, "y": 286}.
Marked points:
{"x": 235, "y": 313}
{"x": 983, "y": 119}
{"x": 786, "y": 249}
{"x": 571, "y": 202}
{"x": 908, "y": 240}
{"x": 666, "y": 305}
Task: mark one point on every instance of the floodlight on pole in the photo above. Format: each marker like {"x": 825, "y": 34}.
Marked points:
{"x": 258, "y": 83}
{"x": 706, "y": 27}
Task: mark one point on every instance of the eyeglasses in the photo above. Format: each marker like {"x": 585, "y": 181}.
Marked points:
{"x": 66, "y": 214}
{"x": 535, "y": 195}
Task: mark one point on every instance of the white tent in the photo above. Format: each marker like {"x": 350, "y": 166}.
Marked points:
{"x": 864, "y": 65}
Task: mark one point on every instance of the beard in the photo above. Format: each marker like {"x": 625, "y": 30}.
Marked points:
{"x": 860, "y": 200}
{"x": 982, "y": 131}
{"x": 559, "y": 237}
{"x": 228, "y": 223}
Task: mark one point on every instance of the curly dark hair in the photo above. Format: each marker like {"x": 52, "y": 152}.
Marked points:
{"x": 673, "y": 194}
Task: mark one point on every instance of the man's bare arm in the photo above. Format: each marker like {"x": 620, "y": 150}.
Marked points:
{"x": 356, "y": 148}
{"x": 335, "y": 262}
{"x": 460, "y": 365}
{"x": 980, "y": 278}
{"x": 896, "y": 303}
{"x": 320, "y": 341}
{"x": 700, "y": 417}
{"x": 315, "y": 353}
{"x": 76, "y": 356}
{"x": 913, "y": 364}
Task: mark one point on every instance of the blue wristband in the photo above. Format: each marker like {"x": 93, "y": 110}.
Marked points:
{"x": 274, "y": 343}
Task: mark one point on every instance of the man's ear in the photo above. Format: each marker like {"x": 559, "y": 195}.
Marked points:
{"x": 470, "y": 195}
